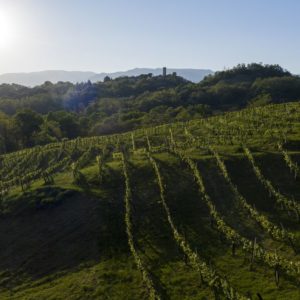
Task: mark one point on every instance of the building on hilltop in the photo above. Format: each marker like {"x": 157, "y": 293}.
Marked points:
{"x": 164, "y": 71}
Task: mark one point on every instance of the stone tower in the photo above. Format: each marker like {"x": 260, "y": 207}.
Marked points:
{"x": 164, "y": 71}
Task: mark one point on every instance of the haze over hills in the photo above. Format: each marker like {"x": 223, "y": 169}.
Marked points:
{"x": 194, "y": 75}
{"x": 37, "y": 78}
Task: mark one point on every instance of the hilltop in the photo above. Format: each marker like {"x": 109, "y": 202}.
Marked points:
{"x": 53, "y": 112}
{"x": 32, "y": 79}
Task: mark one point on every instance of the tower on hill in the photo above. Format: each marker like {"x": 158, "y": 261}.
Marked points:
{"x": 164, "y": 71}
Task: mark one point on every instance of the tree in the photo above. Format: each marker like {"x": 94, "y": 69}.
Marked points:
{"x": 69, "y": 126}
{"x": 106, "y": 79}
{"x": 27, "y": 122}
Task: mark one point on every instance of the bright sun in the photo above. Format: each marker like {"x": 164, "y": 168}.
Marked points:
{"x": 6, "y": 30}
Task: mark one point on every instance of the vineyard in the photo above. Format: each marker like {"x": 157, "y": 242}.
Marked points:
{"x": 205, "y": 209}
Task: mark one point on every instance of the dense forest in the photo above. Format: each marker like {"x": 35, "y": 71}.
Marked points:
{"x": 53, "y": 112}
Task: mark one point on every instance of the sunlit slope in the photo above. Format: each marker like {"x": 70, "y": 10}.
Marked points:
{"x": 201, "y": 210}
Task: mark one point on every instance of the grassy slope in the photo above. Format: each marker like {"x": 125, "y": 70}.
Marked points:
{"x": 69, "y": 242}
{"x": 73, "y": 244}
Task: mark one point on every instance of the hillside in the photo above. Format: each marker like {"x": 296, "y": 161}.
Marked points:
{"x": 54, "y": 112}
{"x": 32, "y": 79}
{"x": 203, "y": 209}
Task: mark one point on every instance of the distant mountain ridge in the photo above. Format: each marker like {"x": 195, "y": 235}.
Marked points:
{"x": 37, "y": 78}
{"x": 194, "y": 75}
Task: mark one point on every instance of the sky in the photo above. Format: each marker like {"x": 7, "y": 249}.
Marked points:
{"x": 115, "y": 35}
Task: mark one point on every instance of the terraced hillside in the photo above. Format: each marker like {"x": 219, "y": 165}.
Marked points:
{"x": 207, "y": 209}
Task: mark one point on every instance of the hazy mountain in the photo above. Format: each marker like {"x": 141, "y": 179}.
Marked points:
{"x": 37, "y": 78}
{"x": 194, "y": 75}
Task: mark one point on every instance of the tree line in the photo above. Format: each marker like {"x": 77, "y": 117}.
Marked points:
{"x": 53, "y": 112}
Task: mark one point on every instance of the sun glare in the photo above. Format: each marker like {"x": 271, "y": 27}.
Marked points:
{"x": 6, "y": 30}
